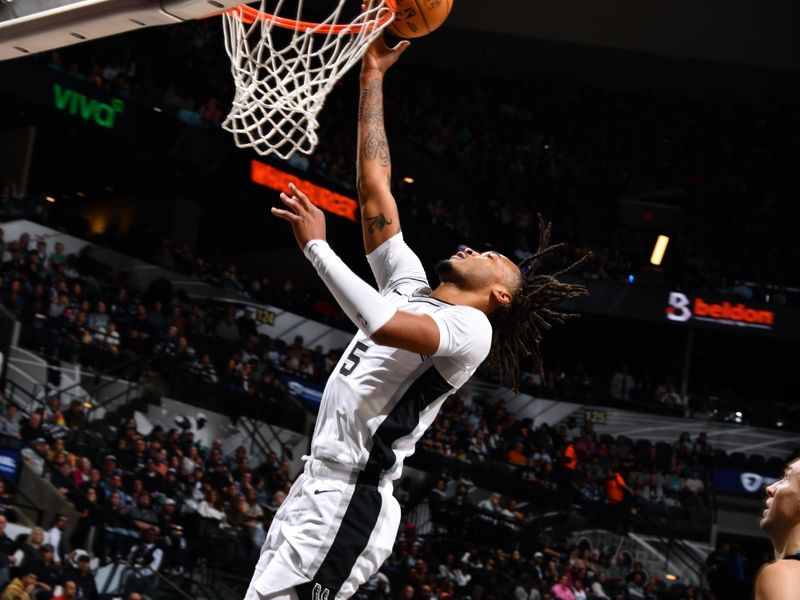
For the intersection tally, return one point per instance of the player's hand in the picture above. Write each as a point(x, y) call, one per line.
point(307, 221)
point(379, 57)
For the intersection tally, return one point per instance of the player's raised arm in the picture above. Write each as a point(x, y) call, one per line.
point(365, 307)
point(379, 217)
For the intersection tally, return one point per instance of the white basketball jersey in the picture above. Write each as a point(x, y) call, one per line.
point(379, 400)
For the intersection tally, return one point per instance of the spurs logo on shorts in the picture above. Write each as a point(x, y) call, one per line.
point(320, 593)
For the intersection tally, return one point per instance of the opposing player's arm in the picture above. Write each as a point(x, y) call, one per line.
point(778, 581)
point(379, 216)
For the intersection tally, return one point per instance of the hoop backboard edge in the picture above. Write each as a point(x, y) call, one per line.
point(48, 24)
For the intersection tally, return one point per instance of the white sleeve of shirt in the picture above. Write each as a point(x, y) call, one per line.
point(55, 540)
point(393, 263)
point(465, 335)
point(158, 556)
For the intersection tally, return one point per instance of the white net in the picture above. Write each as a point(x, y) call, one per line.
point(283, 76)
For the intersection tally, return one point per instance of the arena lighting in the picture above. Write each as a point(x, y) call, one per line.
point(50, 199)
point(658, 250)
point(326, 199)
point(671, 577)
point(408, 179)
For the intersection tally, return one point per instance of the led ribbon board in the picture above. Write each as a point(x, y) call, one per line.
point(326, 199)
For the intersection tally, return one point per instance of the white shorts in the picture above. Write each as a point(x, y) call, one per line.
point(330, 535)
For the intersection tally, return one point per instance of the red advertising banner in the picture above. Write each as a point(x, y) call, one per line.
point(326, 199)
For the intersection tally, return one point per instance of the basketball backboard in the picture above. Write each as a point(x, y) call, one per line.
point(31, 26)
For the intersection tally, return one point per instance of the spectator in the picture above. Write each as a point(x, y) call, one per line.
point(9, 423)
point(516, 455)
point(69, 591)
point(615, 496)
point(227, 329)
point(635, 587)
point(491, 506)
point(48, 573)
point(20, 588)
point(62, 479)
point(622, 384)
point(211, 507)
point(563, 589)
point(35, 456)
point(145, 559)
point(99, 319)
point(84, 579)
point(30, 549)
point(526, 590)
point(653, 493)
point(597, 591)
point(57, 257)
point(6, 552)
point(142, 515)
point(32, 428)
point(57, 538)
point(694, 485)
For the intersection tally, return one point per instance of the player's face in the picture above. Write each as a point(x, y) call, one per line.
point(476, 270)
point(782, 510)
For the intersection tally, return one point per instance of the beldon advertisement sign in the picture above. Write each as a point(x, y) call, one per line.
point(683, 308)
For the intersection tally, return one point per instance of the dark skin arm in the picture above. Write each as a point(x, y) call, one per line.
point(379, 216)
point(408, 331)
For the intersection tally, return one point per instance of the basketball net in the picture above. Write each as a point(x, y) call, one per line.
point(281, 86)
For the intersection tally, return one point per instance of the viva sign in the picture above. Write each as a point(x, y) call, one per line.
point(88, 109)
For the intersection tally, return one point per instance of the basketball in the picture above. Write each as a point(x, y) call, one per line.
point(415, 18)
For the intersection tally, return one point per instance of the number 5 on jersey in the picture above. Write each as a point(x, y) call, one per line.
point(352, 360)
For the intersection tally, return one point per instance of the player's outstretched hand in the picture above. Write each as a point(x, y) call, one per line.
point(307, 221)
point(379, 57)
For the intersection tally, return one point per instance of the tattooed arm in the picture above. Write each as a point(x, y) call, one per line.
point(379, 218)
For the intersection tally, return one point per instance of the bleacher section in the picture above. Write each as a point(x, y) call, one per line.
point(487, 441)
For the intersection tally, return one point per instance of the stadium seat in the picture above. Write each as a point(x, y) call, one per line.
point(642, 450)
point(737, 460)
point(720, 458)
point(774, 466)
point(664, 452)
point(756, 463)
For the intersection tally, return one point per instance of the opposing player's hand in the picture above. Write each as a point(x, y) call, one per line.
point(379, 57)
point(307, 221)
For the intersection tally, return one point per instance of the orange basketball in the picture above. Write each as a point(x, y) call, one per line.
point(415, 18)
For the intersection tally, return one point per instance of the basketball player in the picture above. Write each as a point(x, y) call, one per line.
point(414, 348)
point(780, 579)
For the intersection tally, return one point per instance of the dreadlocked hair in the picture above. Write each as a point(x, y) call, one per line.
point(518, 327)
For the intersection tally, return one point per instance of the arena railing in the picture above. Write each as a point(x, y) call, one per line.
point(507, 479)
point(182, 384)
point(124, 572)
point(471, 524)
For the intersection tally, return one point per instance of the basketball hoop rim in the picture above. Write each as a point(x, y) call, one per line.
point(250, 15)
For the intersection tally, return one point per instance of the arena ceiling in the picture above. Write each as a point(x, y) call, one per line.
point(748, 32)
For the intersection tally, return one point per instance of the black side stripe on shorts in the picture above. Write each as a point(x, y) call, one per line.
point(365, 505)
